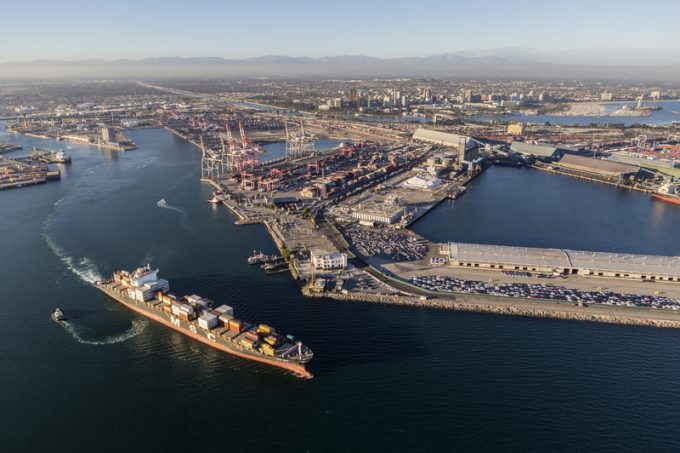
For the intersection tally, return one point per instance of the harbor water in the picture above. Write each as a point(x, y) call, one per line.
point(387, 378)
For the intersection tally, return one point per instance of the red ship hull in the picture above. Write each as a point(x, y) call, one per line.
point(666, 198)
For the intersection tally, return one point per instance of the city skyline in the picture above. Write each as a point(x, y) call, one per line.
point(125, 30)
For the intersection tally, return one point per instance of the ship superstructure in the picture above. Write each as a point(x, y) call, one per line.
point(668, 191)
point(144, 292)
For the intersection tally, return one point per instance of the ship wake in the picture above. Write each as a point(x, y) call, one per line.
point(138, 325)
point(164, 204)
point(84, 268)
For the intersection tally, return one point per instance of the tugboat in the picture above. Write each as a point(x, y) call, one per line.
point(58, 315)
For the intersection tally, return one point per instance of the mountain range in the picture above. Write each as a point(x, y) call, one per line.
point(643, 64)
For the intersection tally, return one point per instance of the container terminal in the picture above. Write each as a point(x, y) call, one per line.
point(196, 317)
point(347, 238)
point(8, 147)
point(22, 172)
point(340, 217)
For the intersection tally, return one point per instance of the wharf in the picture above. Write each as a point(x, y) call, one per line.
point(553, 170)
point(8, 147)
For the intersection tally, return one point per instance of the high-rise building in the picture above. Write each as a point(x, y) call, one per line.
point(545, 97)
point(404, 101)
point(108, 134)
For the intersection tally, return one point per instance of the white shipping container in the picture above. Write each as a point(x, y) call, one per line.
point(207, 321)
point(175, 309)
point(201, 303)
point(186, 309)
point(225, 309)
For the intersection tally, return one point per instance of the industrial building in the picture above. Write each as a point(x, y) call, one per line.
point(538, 151)
point(598, 168)
point(323, 260)
point(423, 181)
point(384, 214)
point(108, 135)
point(467, 148)
point(567, 262)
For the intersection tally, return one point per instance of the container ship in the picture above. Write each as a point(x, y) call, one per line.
point(668, 192)
point(50, 157)
point(196, 317)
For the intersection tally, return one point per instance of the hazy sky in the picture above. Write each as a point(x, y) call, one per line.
point(37, 29)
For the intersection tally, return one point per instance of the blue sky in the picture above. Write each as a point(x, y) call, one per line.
point(36, 29)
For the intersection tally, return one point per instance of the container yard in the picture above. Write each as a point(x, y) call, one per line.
point(21, 172)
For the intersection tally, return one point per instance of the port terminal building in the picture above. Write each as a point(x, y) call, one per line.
point(563, 261)
point(540, 151)
point(467, 148)
point(605, 170)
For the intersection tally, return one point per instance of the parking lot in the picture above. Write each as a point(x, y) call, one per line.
point(539, 291)
point(394, 245)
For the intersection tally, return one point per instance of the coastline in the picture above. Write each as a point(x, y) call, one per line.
point(534, 308)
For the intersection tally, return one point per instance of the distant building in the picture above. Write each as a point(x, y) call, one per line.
point(606, 96)
point(385, 215)
point(468, 149)
point(655, 95)
point(423, 181)
point(546, 97)
point(516, 129)
point(108, 134)
point(539, 151)
point(598, 168)
point(404, 101)
point(323, 260)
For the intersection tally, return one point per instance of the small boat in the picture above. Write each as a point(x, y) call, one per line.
point(258, 258)
point(61, 157)
point(58, 315)
point(214, 199)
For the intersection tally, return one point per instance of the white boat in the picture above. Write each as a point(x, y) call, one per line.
point(214, 199)
point(58, 315)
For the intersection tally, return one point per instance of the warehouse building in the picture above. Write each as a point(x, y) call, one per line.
point(598, 168)
point(540, 151)
point(467, 148)
point(379, 215)
point(563, 261)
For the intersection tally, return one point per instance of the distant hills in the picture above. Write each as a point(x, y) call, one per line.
point(642, 64)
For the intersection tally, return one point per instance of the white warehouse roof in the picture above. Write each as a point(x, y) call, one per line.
point(443, 138)
point(563, 258)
